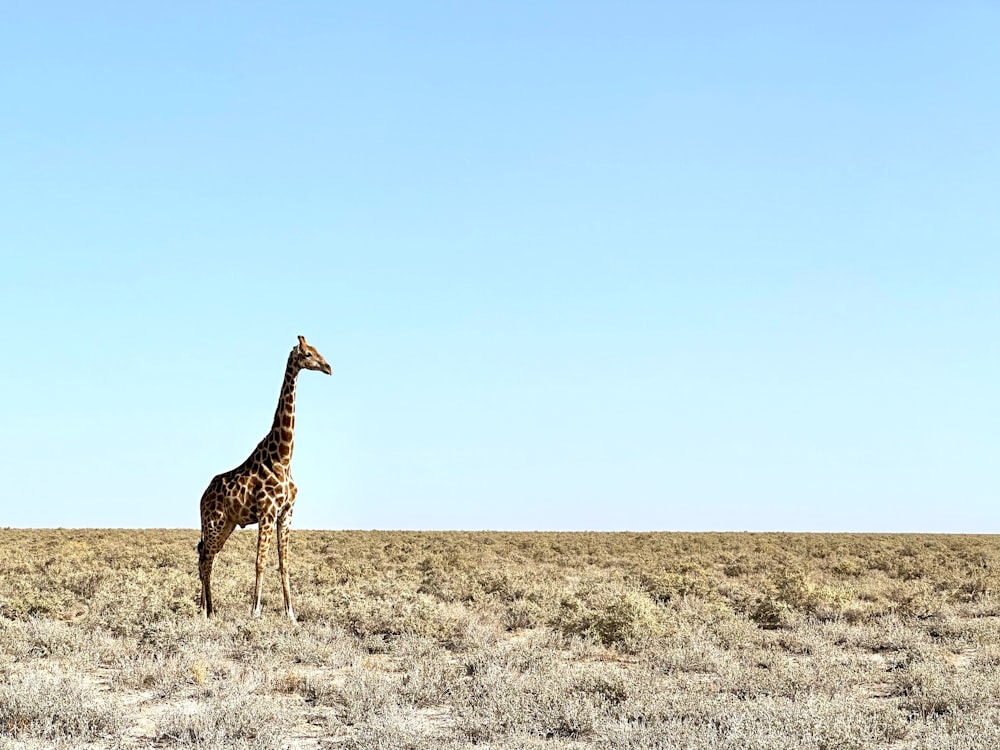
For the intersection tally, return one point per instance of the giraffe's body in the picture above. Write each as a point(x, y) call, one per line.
point(260, 490)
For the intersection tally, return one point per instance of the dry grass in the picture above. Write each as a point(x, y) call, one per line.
point(427, 640)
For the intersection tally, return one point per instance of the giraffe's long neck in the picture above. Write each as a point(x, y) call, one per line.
point(280, 439)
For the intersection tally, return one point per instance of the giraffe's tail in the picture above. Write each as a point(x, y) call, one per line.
point(201, 549)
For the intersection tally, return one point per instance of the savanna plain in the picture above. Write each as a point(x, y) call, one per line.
point(503, 640)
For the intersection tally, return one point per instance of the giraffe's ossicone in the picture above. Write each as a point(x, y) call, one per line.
point(260, 490)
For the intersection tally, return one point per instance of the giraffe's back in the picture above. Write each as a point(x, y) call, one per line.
point(253, 490)
point(229, 497)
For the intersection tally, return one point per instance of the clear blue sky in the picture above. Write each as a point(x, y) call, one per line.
point(692, 266)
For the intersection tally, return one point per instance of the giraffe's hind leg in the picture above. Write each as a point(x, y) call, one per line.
point(212, 539)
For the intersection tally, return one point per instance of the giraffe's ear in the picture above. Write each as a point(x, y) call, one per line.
point(302, 343)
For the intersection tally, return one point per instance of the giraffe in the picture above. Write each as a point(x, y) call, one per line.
point(258, 491)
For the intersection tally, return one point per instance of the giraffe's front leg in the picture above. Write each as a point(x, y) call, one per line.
point(283, 529)
point(264, 534)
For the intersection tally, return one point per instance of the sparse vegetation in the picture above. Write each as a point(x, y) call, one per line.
point(421, 640)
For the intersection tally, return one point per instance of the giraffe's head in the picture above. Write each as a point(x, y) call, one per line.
point(307, 358)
